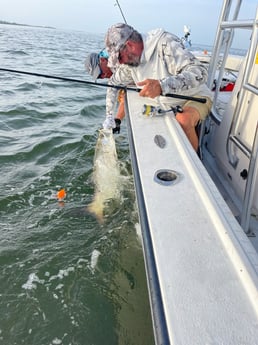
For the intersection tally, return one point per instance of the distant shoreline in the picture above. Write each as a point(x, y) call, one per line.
point(34, 26)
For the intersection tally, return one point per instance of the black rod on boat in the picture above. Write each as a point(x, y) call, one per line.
point(119, 87)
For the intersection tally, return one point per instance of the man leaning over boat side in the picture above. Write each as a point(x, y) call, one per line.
point(159, 63)
point(96, 65)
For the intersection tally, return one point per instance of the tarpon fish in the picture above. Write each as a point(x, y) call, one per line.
point(106, 174)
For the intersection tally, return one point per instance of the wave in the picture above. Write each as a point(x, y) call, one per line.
point(16, 52)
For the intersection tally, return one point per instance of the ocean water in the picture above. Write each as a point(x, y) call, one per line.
point(64, 278)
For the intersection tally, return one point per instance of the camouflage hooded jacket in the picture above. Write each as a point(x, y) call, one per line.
point(164, 58)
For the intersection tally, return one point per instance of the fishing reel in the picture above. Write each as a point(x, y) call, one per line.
point(150, 110)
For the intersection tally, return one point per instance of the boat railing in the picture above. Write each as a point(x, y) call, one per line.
point(250, 186)
point(247, 89)
point(219, 61)
point(247, 86)
point(235, 141)
point(222, 45)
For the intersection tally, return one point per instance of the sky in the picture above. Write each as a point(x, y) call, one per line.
point(96, 16)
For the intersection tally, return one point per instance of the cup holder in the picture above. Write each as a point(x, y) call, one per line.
point(167, 177)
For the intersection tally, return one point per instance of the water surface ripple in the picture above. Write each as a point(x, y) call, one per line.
point(64, 278)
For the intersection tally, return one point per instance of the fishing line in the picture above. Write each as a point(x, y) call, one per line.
point(118, 87)
point(61, 194)
point(121, 11)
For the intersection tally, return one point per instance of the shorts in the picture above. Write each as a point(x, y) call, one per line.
point(203, 108)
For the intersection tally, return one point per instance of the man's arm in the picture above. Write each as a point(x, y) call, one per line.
point(186, 70)
point(122, 76)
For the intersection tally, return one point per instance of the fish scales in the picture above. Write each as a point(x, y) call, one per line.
point(106, 174)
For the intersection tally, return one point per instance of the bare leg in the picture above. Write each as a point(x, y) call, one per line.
point(188, 119)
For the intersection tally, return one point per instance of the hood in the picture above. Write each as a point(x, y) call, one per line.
point(150, 41)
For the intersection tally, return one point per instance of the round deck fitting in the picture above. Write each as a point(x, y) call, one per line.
point(167, 177)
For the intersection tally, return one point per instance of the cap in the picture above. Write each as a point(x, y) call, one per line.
point(103, 54)
point(92, 65)
point(116, 37)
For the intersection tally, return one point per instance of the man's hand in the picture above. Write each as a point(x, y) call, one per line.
point(109, 122)
point(151, 88)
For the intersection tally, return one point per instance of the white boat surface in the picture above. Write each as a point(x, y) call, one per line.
point(199, 214)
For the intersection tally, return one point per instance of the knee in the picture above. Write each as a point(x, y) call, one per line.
point(189, 118)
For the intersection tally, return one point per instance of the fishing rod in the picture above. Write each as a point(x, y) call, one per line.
point(121, 11)
point(118, 87)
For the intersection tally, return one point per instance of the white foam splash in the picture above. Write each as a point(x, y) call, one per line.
point(31, 199)
point(33, 278)
point(94, 259)
point(138, 232)
point(62, 273)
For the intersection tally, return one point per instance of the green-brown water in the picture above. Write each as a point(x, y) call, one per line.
point(64, 278)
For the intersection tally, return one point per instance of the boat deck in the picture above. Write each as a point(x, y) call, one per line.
point(201, 267)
